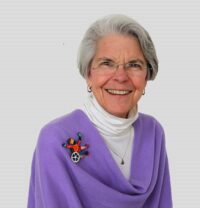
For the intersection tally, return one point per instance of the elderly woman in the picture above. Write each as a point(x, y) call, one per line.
point(106, 154)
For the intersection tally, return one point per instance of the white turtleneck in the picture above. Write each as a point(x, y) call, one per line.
point(118, 133)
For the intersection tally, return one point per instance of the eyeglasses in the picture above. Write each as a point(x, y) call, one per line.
point(109, 67)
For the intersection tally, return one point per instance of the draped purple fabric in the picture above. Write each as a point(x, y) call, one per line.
point(96, 181)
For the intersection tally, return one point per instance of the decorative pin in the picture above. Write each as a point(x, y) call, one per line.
point(77, 151)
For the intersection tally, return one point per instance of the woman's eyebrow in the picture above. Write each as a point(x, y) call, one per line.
point(133, 60)
point(105, 59)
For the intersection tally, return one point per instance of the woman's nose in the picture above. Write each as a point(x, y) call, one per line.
point(121, 73)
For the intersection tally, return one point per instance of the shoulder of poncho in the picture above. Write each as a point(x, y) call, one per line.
point(150, 120)
point(62, 127)
point(64, 121)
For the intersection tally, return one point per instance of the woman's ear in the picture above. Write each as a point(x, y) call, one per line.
point(88, 81)
point(145, 83)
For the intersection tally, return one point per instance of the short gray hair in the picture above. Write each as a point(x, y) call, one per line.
point(121, 24)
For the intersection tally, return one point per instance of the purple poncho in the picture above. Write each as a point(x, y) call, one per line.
point(96, 181)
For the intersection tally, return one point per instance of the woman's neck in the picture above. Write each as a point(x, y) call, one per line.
point(106, 123)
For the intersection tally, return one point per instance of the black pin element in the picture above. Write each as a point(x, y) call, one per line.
point(122, 162)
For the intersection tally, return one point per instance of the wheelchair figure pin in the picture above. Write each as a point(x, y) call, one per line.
point(77, 150)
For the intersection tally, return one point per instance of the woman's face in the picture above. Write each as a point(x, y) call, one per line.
point(117, 92)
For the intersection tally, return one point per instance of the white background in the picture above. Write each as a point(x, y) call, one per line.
point(39, 81)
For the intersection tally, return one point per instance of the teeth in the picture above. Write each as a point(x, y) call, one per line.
point(119, 92)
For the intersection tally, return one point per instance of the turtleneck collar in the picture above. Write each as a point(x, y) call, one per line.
point(106, 123)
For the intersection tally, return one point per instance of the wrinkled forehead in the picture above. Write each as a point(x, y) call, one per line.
point(118, 47)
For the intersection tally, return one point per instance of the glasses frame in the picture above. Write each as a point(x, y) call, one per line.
point(108, 66)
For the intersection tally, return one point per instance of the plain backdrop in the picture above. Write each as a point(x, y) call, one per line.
point(39, 81)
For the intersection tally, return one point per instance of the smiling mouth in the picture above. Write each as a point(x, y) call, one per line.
point(118, 92)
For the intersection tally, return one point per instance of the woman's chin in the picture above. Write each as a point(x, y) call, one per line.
point(117, 112)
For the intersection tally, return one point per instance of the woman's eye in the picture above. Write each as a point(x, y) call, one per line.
point(135, 66)
point(106, 63)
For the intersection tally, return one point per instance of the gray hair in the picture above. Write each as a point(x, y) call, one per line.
point(120, 24)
